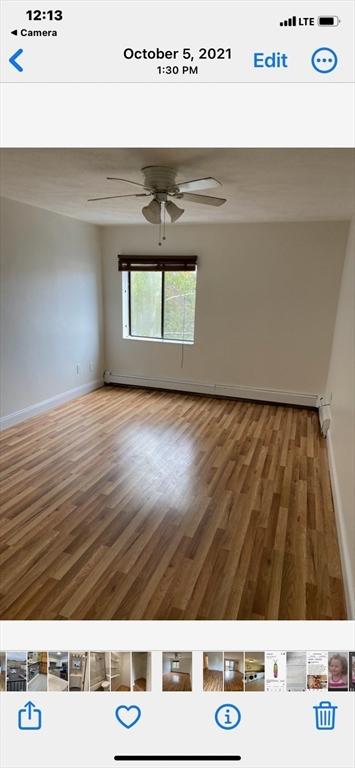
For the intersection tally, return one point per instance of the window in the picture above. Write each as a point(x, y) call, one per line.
point(160, 297)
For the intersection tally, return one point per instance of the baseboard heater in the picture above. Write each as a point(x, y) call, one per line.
point(220, 390)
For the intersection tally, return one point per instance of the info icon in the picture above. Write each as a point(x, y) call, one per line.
point(227, 717)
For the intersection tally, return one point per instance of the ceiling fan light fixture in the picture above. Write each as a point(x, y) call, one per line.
point(152, 212)
point(173, 210)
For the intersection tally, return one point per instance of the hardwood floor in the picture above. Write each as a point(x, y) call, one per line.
point(137, 504)
point(176, 681)
point(212, 680)
point(140, 684)
point(233, 681)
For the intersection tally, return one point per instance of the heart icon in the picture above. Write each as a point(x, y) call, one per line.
point(128, 716)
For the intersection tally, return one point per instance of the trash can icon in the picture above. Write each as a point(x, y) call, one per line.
point(325, 716)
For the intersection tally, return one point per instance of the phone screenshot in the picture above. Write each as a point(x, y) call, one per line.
point(177, 448)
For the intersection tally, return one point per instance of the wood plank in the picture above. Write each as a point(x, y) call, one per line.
point(131, 503)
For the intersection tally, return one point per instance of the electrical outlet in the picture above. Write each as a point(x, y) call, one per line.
point(77, 369)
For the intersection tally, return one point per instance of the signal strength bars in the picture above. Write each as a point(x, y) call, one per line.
point(291, 22)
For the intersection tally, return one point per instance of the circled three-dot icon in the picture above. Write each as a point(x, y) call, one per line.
point(324, 60)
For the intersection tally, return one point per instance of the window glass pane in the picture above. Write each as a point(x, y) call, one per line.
point(179, 305)
point(146, 290)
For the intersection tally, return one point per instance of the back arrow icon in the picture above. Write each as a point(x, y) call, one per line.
point(13, 60)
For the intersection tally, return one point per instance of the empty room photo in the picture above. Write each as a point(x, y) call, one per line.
point(177, 671)
point(213, 671)
point(141, 671)
point(233, 671)
point(177, 389)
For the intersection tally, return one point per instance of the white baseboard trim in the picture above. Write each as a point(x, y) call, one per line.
point(45, 405)
point(342, 537)
point(248, 393)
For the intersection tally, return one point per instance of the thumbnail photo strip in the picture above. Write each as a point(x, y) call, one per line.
point(219, 671)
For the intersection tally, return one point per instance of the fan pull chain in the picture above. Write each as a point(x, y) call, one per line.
point(164, 236)
point(159, 243)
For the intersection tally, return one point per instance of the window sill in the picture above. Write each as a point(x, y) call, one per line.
point(158, 341)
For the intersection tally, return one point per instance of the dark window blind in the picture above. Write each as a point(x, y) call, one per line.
point(157, 263)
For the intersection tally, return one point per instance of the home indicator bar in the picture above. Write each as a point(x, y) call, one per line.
point(172, 758)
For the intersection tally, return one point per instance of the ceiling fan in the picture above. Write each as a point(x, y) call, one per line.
point(160, 184)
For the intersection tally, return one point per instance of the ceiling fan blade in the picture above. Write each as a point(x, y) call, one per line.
point(127, 181)
point(204, 199)
point(192, 186)
point(114, 197)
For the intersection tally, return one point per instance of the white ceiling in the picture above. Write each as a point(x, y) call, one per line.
point(259, 184)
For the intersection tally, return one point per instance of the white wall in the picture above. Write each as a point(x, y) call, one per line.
point(125, 670)
point(341, 438)
point(186, 665)
point(235, 656)
point(139, 665)
point(149, 672)
point(142, 667)
point(215, 660)
point(266, 303)
point(51, 306)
